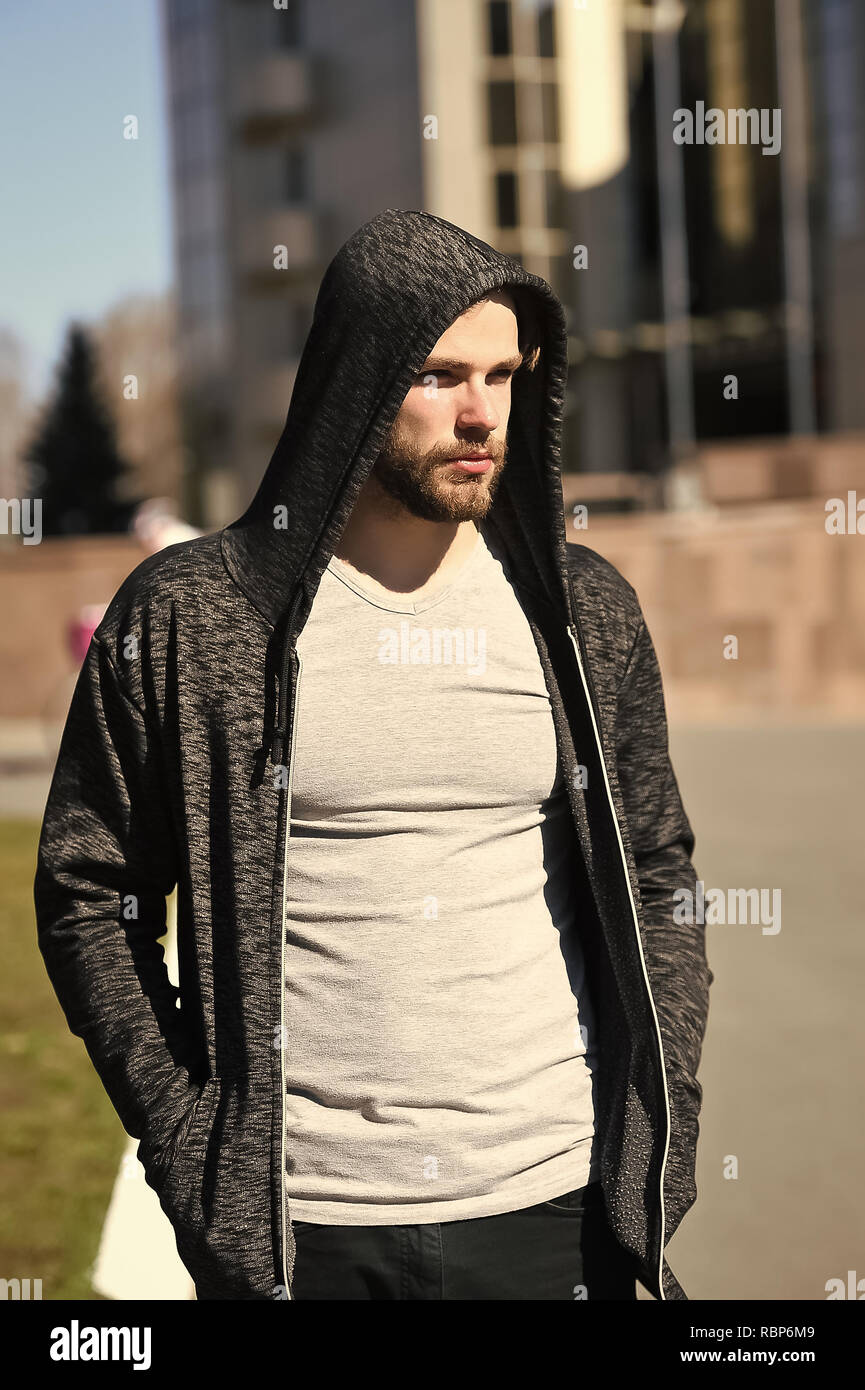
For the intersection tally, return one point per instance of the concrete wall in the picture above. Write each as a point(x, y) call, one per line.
point(42, 590)
point(768, 575)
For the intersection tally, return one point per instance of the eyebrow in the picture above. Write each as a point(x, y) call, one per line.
point(445, 364)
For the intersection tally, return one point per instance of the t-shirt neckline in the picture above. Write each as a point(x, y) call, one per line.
point(393, 605)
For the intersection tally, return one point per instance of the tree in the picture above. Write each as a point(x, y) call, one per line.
point(75, 466)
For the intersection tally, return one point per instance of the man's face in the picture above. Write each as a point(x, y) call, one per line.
point(446, 449)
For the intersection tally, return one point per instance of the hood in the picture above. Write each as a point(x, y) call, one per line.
point(384, 301)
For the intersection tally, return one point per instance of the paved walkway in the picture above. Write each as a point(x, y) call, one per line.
point(782, 1063)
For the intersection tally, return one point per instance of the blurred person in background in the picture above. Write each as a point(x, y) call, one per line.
point(155, 523)
point(402, 750)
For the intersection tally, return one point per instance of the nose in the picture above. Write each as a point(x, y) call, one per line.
point(477, 409)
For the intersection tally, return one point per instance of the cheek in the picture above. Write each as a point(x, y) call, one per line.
point(425, 419)
point(504, 406)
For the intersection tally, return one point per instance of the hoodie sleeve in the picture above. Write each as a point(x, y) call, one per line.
point(106, 861)
point(675, 953)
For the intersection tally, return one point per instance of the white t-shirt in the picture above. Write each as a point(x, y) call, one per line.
point(435, 991)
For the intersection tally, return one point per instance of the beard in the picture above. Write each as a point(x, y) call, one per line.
point(421, 481)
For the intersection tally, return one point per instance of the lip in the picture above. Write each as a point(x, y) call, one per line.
point(472, 463)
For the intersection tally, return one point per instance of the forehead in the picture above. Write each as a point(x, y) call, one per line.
point(493, 319)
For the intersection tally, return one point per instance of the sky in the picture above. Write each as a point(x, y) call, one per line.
point(85, 215)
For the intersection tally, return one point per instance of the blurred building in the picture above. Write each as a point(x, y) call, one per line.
point(546, 129)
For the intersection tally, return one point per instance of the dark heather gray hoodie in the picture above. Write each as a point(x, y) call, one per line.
point(175, 769)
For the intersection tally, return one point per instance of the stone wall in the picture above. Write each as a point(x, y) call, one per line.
point(770, 576)
point(43, 589)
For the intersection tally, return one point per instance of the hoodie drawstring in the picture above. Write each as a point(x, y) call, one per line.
point(279, 731)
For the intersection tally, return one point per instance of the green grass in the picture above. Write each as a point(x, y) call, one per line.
point(61, 1140)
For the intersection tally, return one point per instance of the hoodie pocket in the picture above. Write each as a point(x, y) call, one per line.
point(187, 1133)
point(215, 1189)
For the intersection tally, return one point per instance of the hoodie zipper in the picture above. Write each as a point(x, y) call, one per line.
point(573, 636)
point(293, 744)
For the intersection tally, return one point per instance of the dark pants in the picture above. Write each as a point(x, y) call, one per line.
point(561, 1249)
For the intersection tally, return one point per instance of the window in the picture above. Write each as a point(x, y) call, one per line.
point(295, 175)
point(196, 138)
point(546, 32)
point(499, 27)
point(198, 201)
point(502, 101)
point(550, 112)
point(192, 57)
point(507, 210)
point(289, 24)
point(201, 277)
point(554, 202)
point(184, 12)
